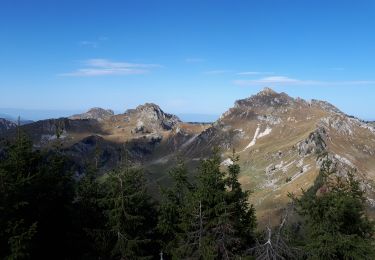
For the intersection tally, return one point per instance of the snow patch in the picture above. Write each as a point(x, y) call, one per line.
point(227, 162)
point(257, 135)
point(266, 132)
point(252, 143)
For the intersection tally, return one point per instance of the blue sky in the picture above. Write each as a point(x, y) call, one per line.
point(191, 57)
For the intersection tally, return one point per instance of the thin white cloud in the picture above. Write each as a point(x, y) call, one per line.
point(89, 44)
point(102, 72)
point(216, 72)
point(104, 63)
point(286, 81)
point(252, 73)
point(277, 80)
point(194, 60)
point(102, 67)
point(353, 82)
point(93, 44)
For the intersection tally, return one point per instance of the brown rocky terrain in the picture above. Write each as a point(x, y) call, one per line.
point(281, 141)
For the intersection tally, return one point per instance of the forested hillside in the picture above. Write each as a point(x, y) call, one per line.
point(47, 212)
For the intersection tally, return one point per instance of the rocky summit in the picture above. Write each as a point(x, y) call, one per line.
point(95, 113)
point(151, 118)
point(282, 142)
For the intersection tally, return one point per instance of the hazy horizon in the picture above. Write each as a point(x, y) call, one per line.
point(189, 57)
point(35, 114)
point(40, 114)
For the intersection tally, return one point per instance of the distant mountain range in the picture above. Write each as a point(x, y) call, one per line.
point(15, 119)
point(41, 114)
point(34, 114)
point(281, 141)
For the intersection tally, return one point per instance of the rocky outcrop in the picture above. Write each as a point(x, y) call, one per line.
point(325, 106)
point(314, 144)
point(151, 118)
point(266, 98)
point(96, 113)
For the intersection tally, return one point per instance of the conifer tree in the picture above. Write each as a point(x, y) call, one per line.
point(172, 203)
point(131, 216)
point(52, 202)
point(336, 224)
point(36, 202)
point(17, 171)
point(217, 220)
point(242, 213)
point(201, 213)
point(37, 193)
point(90, 218)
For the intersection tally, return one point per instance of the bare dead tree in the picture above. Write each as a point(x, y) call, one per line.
point(224, 234)
point(276, 245)
point(197, 223)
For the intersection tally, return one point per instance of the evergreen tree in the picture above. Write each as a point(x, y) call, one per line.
point(36, 203)
point(172, 203)
point(17, 171)
point(131, 215)
point(201, 218)
point(53, 207)
point(242, 213)
point(89, 216)
point(214, 214)
point(334, 211)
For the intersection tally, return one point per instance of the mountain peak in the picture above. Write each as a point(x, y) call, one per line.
point(152, 110)
point(95, 113)
point(100, 110)
point(149, 106)
point(151, 115)
point(265, 98)
point(267, 91)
